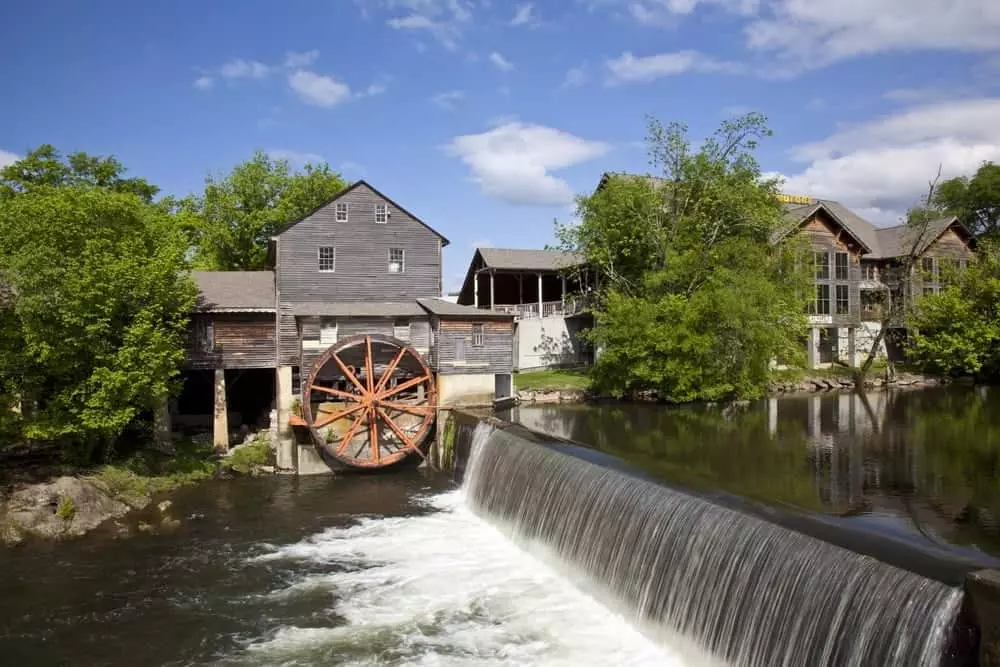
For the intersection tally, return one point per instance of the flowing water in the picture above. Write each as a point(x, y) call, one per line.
point(542, 557)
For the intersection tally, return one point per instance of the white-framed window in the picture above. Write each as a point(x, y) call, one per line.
point(401, 328)
point(328, 331)
point(341, 211)
point(381, 214)
point(327, 258)
point(478, 336)
point(397, 260)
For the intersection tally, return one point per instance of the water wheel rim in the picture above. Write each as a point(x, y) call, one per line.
point(369, 405)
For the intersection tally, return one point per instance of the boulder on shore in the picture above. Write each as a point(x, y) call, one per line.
point(64, 507)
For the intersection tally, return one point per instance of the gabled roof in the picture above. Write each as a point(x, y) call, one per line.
point(447, 309)
point(899, 240)
point(234, 291)
point(351, 187)
point(513, 259)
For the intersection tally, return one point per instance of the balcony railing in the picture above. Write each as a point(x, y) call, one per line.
point(527, 311)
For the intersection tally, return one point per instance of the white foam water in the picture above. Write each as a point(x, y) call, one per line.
point(445, 588)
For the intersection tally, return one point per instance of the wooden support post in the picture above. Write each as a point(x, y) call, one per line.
point(520, 288)
point(493, 301)
point(475, 289)
point(812, 347)
point(220, 432)
point(563, 297)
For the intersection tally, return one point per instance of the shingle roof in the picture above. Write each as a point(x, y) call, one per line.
point(528, 260)
point(898, 241)
point(360, 309)
point(235, 291)
point(443, 308)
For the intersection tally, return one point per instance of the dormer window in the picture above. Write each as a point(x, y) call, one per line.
point(381, 214)
point(341, 211)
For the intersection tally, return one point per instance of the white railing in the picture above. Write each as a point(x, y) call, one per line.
point(527, 311)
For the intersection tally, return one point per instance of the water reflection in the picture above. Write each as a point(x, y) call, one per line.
point(923, 462)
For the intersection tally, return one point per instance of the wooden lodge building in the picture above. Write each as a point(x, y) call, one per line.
point(359, 266)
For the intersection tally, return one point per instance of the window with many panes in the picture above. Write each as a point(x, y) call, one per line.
point(843, 300)
point(822, 261)
point(868, 272)
point(840, 266)
point(477, 335)
point(381, 214)
point(821, 306)
point(327, 258)
point(397, 260)
point(341, 211)
point(927, 264)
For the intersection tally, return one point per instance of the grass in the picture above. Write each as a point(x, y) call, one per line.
point(246, 459)
point(66, 509)
point(144, 474)
point(553, 379)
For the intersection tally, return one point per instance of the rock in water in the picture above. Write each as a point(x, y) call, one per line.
point(64, 507)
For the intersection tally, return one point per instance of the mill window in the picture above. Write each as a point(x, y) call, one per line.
point(477, 335)
point(327, 258)
point(397, 260)
point(341, 211)
point(381, 214)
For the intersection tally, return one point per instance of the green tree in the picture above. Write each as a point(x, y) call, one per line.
point(957, 331)
point(975, 200)
point(45, 166)
point(232, 221)
point(698, 299)
point(93, 323)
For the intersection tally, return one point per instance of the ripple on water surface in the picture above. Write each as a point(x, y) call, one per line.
point(443, 588)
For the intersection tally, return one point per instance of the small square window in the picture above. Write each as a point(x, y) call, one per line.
point(381, 214)
point(341, 212)
point(397, 260)
point(477, 335)
point(327, 258)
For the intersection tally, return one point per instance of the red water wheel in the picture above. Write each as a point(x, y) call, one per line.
point(369, 401)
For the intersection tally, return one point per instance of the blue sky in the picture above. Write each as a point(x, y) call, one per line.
point(484, 117)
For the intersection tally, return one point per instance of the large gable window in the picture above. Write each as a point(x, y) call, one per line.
point(397, 260)
point(822, 263)
point(841, 266)
point(381, 214)
point(327, 259)
point(341, 211)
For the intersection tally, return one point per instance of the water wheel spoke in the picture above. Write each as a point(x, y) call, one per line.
point(334, 416)
point(373, 437)
point(389, 370)
point(405, 439)
point(349, 374)
point(404, 386)
point(351, 432)
point(369, 370)
point(405, 407)
point(336, 392)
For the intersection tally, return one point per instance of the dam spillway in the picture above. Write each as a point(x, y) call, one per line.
point(748, 591)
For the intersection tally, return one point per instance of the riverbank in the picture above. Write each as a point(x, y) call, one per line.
point(51, 501)
point(573, 385)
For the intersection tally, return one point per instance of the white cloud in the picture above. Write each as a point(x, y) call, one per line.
point(295, 60)
point(819, 32)
point(317, 89)
point(204, 82)
point(882, 167)
point(524, 15)
point(513, 162)
point(295, 158)
point(576, 76)
point(6, 158)
point(244, 69)
point(629, 69)
point(667, 12)
point(500, 62)
point(444, 20)
point(373, 89)
point(481, 243)
point(448, 100)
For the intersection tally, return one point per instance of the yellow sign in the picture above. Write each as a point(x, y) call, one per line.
point(795, 199)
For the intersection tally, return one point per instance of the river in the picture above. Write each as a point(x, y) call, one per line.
point(395, 569)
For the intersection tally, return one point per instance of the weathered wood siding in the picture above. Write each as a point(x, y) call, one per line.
point(825, 235)
point(311, 347)
point(496, 355)
point(242, 340)
point(949, 246)
point(362, 255)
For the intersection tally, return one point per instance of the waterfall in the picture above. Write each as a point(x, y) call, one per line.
point(751, 592)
